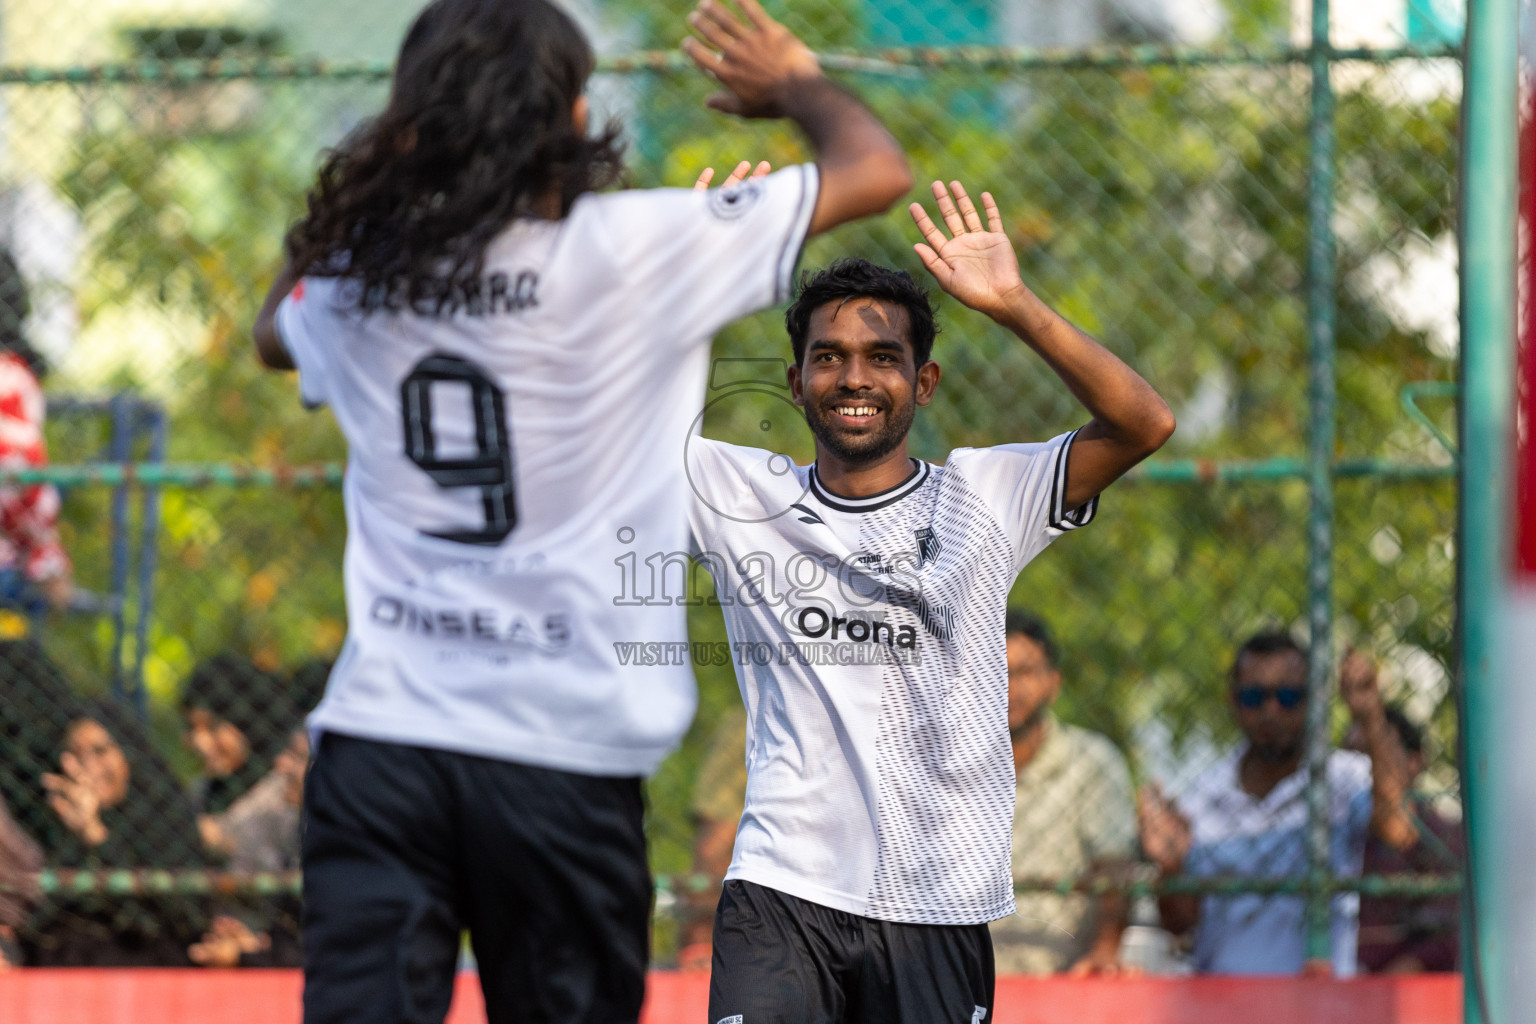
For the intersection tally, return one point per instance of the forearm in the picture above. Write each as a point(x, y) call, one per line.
point(1127, 411)
point(269, 347)
point(1112, 914)
point(1391, 819)
point(1180, 912)
point(863, 169)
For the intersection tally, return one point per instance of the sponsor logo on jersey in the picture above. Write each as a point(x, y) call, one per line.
point(487, 626)
point(810, 515)
point(816, 622)
point(734, 1018)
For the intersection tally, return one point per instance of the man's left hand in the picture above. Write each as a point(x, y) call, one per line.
point(976, 264)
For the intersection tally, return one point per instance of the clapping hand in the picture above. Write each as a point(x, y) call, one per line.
point(975, 263)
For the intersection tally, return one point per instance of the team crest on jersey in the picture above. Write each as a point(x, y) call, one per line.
point(927, 545)
point(978, 1015)
point(734, 200)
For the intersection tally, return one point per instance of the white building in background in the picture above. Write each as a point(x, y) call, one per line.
point(1073, 24)
point(1384, 24)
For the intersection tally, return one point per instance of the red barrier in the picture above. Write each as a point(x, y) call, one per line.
point(272, 997)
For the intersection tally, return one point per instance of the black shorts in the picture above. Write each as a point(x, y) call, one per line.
point(405, 848)
point(783, 960)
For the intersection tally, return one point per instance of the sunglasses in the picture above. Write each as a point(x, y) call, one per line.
point(1287, 697)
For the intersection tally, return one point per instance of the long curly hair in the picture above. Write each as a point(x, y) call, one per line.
point(478, 131)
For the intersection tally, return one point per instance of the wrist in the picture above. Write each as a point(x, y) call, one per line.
point(1372, 717)
point(1019, 310)
point(94, 833)
point(801, 93)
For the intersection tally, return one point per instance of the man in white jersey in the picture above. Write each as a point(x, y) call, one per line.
point(867, 592)
point(509, 354)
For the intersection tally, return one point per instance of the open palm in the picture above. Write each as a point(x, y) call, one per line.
point(974, 263)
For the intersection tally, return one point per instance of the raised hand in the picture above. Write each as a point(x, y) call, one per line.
point(755, 61)
point(1357, 685)
point(74, 798)
point(737, 175)
point(975, 264)
point(1165, 833)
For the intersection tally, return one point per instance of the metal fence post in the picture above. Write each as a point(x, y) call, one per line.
point(1321, 309)
point(1483, 558)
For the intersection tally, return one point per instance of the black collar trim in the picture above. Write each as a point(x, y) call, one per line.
point(869, 504)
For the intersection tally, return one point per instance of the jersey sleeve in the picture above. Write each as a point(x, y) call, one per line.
point(1025, 486)
point(300, 328)
point(699, 260)
point(716, 485)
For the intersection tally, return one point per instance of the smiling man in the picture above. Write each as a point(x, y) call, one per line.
point(869, 590)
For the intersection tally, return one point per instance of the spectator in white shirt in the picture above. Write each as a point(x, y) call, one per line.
point(1246, 817)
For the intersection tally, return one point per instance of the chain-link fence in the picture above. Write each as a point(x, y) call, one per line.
point(1163, 169)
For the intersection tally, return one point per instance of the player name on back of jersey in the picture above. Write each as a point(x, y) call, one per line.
point(495, 294)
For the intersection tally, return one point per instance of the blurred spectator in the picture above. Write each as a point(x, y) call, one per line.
point(236, 718)
point(260, 832)
point(1401, 934)
point(116, 804)
point(20, 861)
point(1074, 816)
point(717, 801)
point(31, 558)
point(34, 700)
point(1246, 817)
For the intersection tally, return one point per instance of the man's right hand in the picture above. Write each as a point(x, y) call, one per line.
point(1165, 833)
point(1357, 686)
point(754, 61)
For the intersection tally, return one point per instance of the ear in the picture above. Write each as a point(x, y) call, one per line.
point(579, 113)
point(927, 381)
point(1054, 690)
point(792, 374)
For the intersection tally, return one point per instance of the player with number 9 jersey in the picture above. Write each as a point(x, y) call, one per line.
point(507, 443)
point(515, 359)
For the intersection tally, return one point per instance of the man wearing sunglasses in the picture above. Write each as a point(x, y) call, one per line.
point(1246, 816)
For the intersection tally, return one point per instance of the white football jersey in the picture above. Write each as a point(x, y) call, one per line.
point(506, 444)
point(868, 641)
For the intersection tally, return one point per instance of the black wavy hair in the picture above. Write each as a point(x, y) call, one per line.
point(854, 278)
point(478, 131)
point(15, 307)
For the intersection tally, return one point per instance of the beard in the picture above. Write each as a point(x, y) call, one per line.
point(864, 447)
point(1276, 751)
